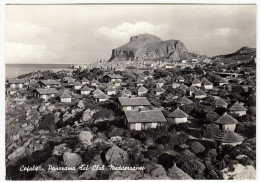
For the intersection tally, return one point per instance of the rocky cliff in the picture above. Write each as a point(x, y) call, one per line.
point(149, 47)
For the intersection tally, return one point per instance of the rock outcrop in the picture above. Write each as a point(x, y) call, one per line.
point(149, 47)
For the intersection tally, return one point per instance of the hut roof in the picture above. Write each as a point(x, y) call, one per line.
point(110, 89)
point(204, 79)
point(47, 91)
point(125, 91)
point(65, 95)
point(223, 80)
point(219, 102)
point(228, 137)
point(184, 100)
point(196, 81)
point(180, 78)
point(226, 119)
point(16, 81)
point(117, 81)
point(207, 83)
point(200, 92)
point(192, 89)
point(84, 80)
point(86, 88)
point(237, 107)
point(94, 81)
point(147, 116)
point(161, 81)
point(97, 91)
point(101, 96)
point(183, 87)
point(159, 89)
point(134, 101)
point(176, 173)
point(139, 81)
point(49, 82)
point(178, 113)
point(142, 89)
point(77, 84)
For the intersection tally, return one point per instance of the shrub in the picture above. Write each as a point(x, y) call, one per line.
point(197, 147)
point(209, 130)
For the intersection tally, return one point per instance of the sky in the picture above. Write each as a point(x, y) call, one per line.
point(79, 34)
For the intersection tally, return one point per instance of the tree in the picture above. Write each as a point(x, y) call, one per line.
point(209, 130)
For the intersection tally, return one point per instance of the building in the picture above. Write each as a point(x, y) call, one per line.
point(101, 97)
point(175, 85)
point(238, 109)
point(207, 85)
point(179, 116)
point(112, 77)
point(199, 94)
point(85, 90)
point(77, 86)
point(11, 91)
point(196, 83)
point(141, 120)
point(183, 88)
point(139, 83)
point(94, 83)
point(223, 82)
point(180, 79)
point(84, 81)
point(65, 97)
point(191, 90)
point(160, 82)
point(110, 91)
point(45, 93)
point(219, 103)
point(228, 138)
point(117, 83)
point(48, 83)
point(226, 122)
point(132, 103)
point(141, 91)
point(16, 83)
point(158, 91)
point(97, 92)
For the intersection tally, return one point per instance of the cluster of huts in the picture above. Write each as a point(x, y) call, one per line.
point(139, 113)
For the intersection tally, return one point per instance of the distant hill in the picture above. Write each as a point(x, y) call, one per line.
point(149, 47)
point(244, 53)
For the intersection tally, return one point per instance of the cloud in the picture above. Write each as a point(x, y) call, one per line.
point(226, 31)
point(125, 30)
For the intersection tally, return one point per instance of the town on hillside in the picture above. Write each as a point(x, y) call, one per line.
point(187, 119)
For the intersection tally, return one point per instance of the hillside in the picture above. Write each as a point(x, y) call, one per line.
point(149, 47)
point(243, 54)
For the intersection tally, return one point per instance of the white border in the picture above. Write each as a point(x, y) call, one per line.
point(2, 52)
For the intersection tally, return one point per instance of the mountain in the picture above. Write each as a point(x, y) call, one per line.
point(244, 53)
point(149, 47)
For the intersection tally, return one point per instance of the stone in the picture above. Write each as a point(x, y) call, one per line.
point(72, 159)
point(17, 153)
point(42, 108)
point(81, 104)
point(24, 125)
point(155, 171)
point(116, 156)
point(116, 138)
point(60, 149)
point(240, 173)
point(241, 156)
point(51, 108)
point(85, 137)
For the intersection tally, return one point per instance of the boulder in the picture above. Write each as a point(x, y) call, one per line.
point(71, 159)
point(116, 138)
point(85, 137)
point(154, 171)
point(240, 173)
point(17, 153)
point(81, 104)
point(116, 156)
point(60, 149)
point(87, 115)
point(42, 108)
point(51, 108)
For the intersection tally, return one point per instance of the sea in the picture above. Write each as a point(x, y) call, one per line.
point(14, 70)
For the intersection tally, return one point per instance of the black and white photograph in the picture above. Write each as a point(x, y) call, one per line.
point(146, 91)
